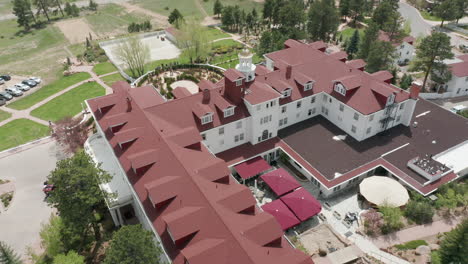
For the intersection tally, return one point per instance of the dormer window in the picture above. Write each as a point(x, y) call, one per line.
point(239, 82)
point(339, 88)
point(229, 111)
point(208, 118)
point(390, 99)
point(308, 86)
point(287, 92)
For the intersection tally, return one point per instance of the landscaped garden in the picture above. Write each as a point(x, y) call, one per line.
point(21, 131)
point(48, 90)
point(68, 104)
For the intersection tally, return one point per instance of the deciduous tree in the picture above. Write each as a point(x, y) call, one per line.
point(431, 53)
point(70, 258)
point(193, 39)
point(132, 245)
point(453, 246)
point(134, 53)
point(70, 133)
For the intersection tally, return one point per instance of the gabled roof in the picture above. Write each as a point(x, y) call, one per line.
point(233, 74)
point(460, 69)
point(383, 76)
point(385, 36)
point(258, 92)
point(210, 250)
point(200, 110)
point(177, 221)
point(143, 158)
point(181, 92)
point(350, 82)
point(357, 64)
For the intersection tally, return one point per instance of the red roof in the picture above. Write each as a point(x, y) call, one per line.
point(460, 69)
point(180, 92)
point(252, 167)
point(186, 193)
point(302, 203)
point(280, 181)
point(357, 64)
point(384, 36)
point(281, 212)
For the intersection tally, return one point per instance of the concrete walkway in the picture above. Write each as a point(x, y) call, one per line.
point(417, 232)
point(26, 113)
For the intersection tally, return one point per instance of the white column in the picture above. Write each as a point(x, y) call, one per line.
point(114, 216)
point(119, 214)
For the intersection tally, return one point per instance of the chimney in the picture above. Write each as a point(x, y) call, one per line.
point(206, 96)
point(129, 104)
point(234, 92)
point(288, 72)
point(414, 90)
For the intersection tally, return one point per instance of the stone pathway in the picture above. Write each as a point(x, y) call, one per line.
point(26, 113)
point(416, 232)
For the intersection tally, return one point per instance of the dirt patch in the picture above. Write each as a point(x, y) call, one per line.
point(321, 237)
point(155, 17)
point(75, 30)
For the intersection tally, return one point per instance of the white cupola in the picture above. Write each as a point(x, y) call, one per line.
point(245, 65)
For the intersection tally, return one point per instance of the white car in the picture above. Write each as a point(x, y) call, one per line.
point(2, 81)
point(22, 87)
point(36, 79)
point(458, 108)
point(13, 91)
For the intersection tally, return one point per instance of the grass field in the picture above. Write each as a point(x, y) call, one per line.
point(227, 42)
point(4, 115)
point(69, 103)
point(48, 90)
point(426, 15)
point(5, 6)
point(35, 53)
point(104, 67)
point(247, 5)
point(188, 8)
point(214, 34)
point(112, 19)
point(111, 79)
point(348, 33)
point(21, 131)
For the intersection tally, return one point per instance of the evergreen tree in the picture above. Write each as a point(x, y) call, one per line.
point(323, 20)
point(92, 5)
point(406, 81)
point(453, 246)
point(431, 53)
point(175, 18)
point(227, 19)
point(22, 10)
point(447, 10)
point(42, 5)
point(461, 9)
point(356, 8)
point(344, 8)
point(353, 45)
point(217, 8)
point(7, 255)
point(132, 244)
point(381, 56)
point(383, 12)
point(371, 34)
point(393, 27)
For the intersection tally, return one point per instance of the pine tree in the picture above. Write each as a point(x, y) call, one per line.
point(217, 8)
point(453, 246)
point(175, 18)
point(447, 10)
point(381, 56)
point(7, 255)
point(344, 8)
point(353, 45)
point(22, 10)
point(323, 20)
point(371, 34)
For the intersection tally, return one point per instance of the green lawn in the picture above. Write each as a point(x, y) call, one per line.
point(48, 90)
point(5, 6)
point(4, 115)
point(77, 49)
point(188, 8)
point(21, 131)
point(411, 244)
point(227, 43)
point(34, 53)
point(111, 79)
point(104, 67)
point(111, 18)
point(214, 33)
point(68, 104)
point(247, 5)
point(348, 32)
point(426, 15)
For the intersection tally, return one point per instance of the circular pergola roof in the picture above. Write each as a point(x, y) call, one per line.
point(381, 190)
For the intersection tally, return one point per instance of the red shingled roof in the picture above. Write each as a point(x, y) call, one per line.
point(384, 36)
point(460, 69)
point(196, 203)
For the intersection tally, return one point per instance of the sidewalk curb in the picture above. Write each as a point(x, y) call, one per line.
point(26, 146)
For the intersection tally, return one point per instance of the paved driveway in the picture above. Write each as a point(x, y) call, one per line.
point(20, 225)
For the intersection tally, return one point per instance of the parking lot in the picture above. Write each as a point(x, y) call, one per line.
point(15, 80)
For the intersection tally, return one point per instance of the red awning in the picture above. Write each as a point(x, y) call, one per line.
point(280, 181)
point(252, 167)
point(281, 212)
point(302, 203)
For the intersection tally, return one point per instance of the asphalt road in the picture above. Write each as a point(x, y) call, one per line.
point(419, 27)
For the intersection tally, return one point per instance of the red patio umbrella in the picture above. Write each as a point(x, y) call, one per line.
point(302, 204)
point(280, 181)
point(252, 167)
point(281, 212)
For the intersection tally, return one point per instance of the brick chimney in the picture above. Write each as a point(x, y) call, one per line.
point(288, 72)
point(414, 90)
point(206, 96)
point(233, 92)
point(129, 104)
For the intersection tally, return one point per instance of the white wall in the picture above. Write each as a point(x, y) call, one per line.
point(217, 142)
point(457, 86)
point(404, 52)
point(269, 113)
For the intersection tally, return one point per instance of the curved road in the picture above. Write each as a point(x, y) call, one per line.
point(419, 27)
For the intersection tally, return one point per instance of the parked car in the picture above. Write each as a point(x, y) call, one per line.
point(35, 79)
point(5, 77)
point(2, 81)
point(14, 91)
point(458, 108)
point(22, 87)
point(6, 96)
point(2, 102)
point(29, 83)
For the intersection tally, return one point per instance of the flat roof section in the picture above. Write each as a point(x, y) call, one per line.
point(318, 141)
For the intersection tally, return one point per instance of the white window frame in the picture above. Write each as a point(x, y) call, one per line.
point(283, 109)
point(238, 82)
point(241, 136)
point(341, 107)
point(356, 116)
point(229, 111)
point(298, 104)
point(221, 131)
point(239, 124)
point(353, 128)
point(371, 118)
point(207, 118)
point(368, 130)
point(287, 92)
point(312, 100)
point(339, 88)
point(308, 86)
point(402, 105)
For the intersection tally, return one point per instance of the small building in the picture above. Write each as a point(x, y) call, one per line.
point(458, 84)
point(405, 49)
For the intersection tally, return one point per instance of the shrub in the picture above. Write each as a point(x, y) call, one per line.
point(419, 212)
point(6, 198)
point(392, 219)
point(372, 222)
point(411, 244)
